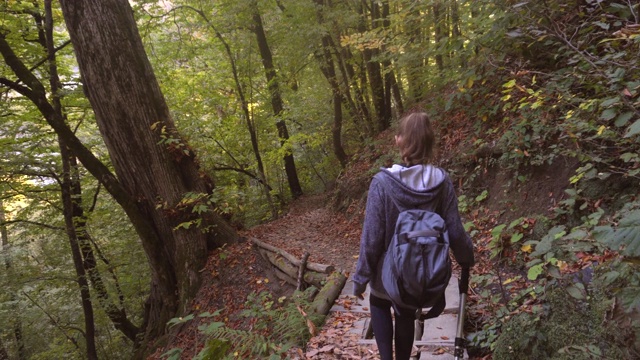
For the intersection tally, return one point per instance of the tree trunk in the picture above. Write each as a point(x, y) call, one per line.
point(17, 326)
point(414, 27)
point(4, 355)
point(82, 237)
point(389, 78)
point(456, 33)
point(360, 110)
point(374, 72)
point(245, 110)
point(327, 68)
point(439, 33)
point(151, 160)
point(85, 296)
point(118, 316)
point(276, 100)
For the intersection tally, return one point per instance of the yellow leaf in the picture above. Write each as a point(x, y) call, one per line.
point(562, 265)
point(509, 281)
point(526, 248)
point(601, 129)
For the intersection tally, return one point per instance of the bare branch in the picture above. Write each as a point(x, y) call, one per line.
point(9, 222)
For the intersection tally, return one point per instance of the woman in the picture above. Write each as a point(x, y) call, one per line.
point(414, 185)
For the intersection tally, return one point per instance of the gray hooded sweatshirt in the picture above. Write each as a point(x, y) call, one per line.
point(400, 188)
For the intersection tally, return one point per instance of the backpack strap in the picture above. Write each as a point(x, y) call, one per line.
point(435, 311)
point(422, 233)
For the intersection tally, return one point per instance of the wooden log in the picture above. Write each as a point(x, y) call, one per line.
point(303, 265)
point(310, 277)
point(321, 268)
point(284, 277)
point(329, 293)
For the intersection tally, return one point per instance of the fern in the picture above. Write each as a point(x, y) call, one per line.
point(247, 343)
point(277, 328)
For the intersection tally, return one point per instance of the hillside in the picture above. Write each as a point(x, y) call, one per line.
point(328, 227)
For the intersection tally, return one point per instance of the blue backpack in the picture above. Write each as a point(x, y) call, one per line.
point(416, 268)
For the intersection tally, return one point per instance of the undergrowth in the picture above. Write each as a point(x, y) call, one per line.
point(559, 84)
point(277, 325)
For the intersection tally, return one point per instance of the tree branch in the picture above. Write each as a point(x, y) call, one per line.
point(54, 321)
point(9, 222)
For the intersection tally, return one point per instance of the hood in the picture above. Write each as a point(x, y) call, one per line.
point(412, 187)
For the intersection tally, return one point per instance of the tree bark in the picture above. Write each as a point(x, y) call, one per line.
point(151, 160)
point(374, 71)
point(81, 278)
point(276, 100)
point(439, 34)
point(327, 68)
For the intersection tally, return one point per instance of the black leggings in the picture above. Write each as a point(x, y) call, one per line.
point(383, 329)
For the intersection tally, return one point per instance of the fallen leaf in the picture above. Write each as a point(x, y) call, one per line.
point(327, 348)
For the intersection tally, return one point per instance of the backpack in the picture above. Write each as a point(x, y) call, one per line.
point(416, 267)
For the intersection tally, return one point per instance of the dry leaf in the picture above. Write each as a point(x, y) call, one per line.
point(327, 348)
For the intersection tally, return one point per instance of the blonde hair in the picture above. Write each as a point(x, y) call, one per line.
point(415, 138)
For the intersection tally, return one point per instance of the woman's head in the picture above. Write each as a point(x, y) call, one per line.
point(415, 138)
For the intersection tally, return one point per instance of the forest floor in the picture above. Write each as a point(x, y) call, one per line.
point(328, 227)
point(235, 272)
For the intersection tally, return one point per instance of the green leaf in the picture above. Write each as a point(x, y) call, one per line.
point(516, 237)
point(609, 277)
point(576, 291)
point(634, 129)
point(627, 234)
point(535, 271)
point(602, 25)
point(624, 118)
point(610, 101)
point(627, 157)
point(173, 354)
point(497, 231)
point(515, 223)
point(509, 84)
point(608, 114)
point(209, 329)
point(180, 320)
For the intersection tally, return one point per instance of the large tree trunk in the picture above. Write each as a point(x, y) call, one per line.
point(150, 159)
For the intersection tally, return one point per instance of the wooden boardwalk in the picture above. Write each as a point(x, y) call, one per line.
point(436, 336)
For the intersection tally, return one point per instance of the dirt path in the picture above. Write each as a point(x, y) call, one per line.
point(330, 237)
